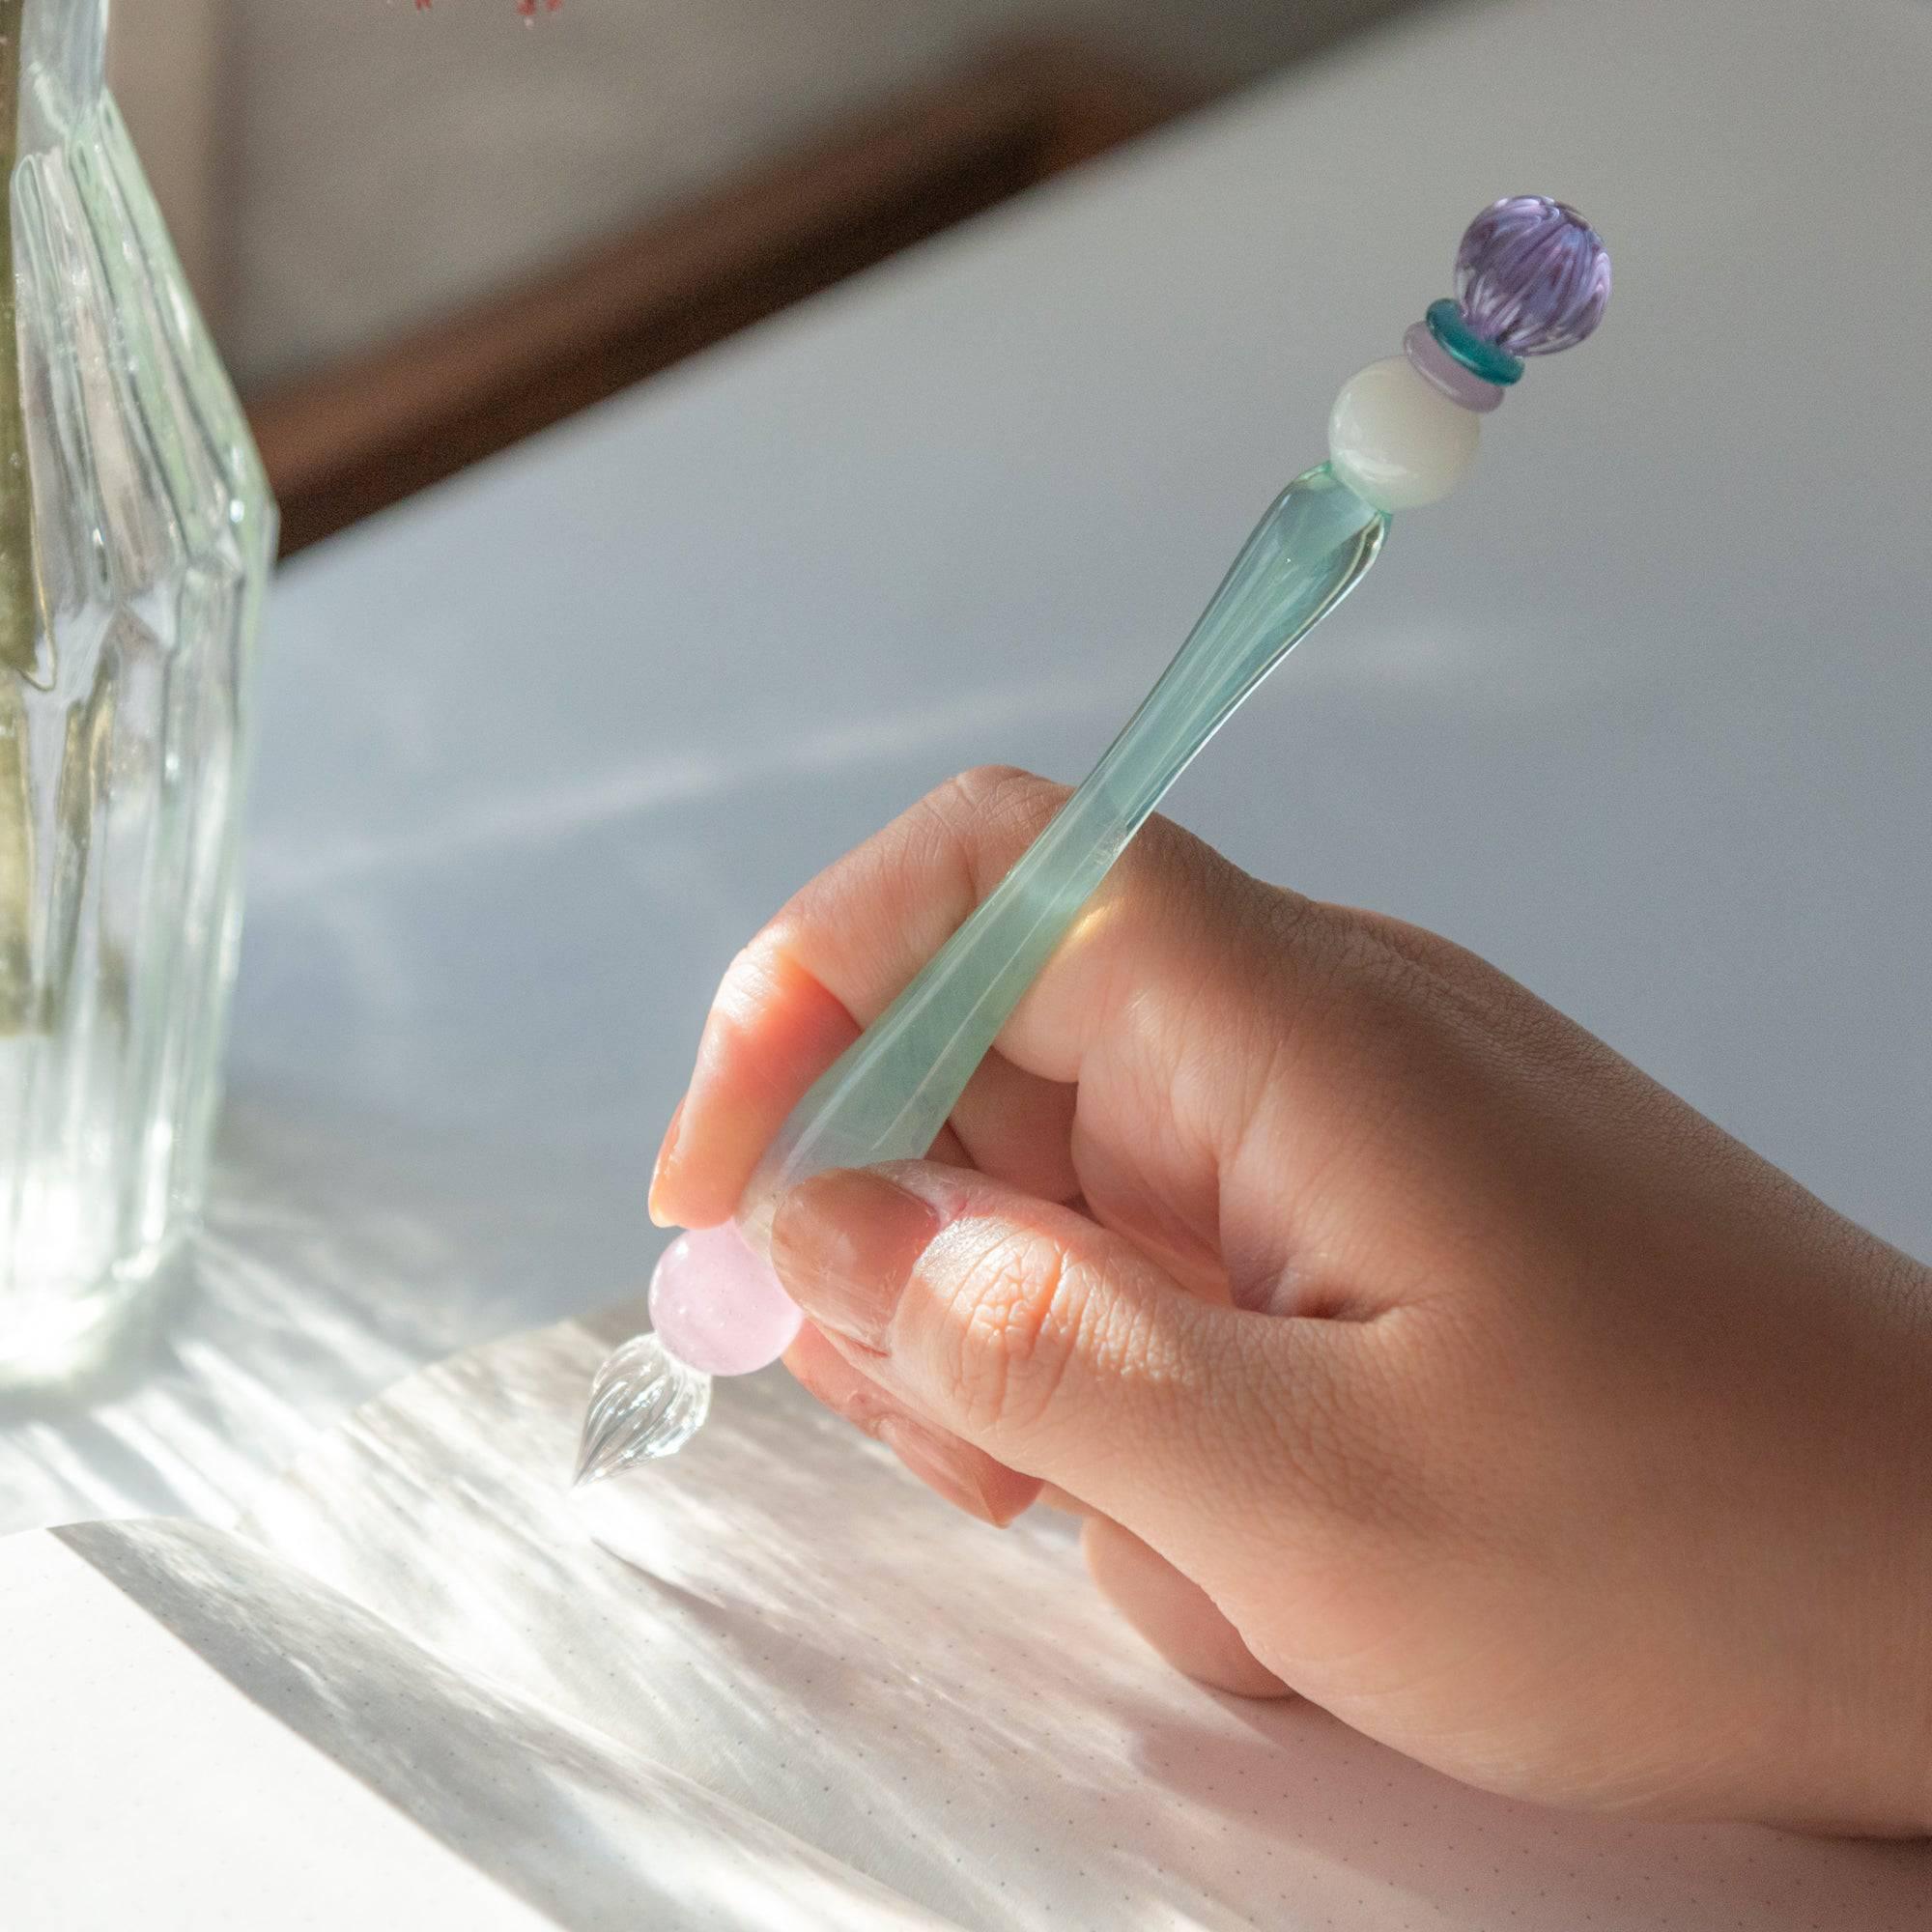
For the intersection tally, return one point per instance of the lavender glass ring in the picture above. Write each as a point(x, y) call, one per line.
point(1439, 367)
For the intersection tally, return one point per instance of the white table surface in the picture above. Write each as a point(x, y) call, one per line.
point(1641, 714)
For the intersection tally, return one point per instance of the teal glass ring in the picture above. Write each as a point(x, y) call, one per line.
point(1482, 360)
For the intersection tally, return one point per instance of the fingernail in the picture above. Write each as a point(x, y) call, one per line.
point(846, 1243)
point(667, 1152)
point(936, 1464)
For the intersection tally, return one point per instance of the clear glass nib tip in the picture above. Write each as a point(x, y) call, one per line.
point(643, 1405)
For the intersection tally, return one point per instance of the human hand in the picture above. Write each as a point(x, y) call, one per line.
point(1401, 1344)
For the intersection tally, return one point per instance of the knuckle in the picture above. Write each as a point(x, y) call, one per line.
point(988, 816)
point(1019, 1316)
point(1002, 789)
point(749, 982)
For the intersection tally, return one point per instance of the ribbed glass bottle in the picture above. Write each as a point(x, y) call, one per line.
point(136, 537)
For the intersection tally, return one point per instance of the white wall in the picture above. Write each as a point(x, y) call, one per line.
point(337, 169)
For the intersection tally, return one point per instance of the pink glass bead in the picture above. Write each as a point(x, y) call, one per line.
point(718, 1306)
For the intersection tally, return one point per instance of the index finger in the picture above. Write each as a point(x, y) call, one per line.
point(1173, 922)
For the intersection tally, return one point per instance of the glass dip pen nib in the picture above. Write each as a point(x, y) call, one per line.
point(1531, 277)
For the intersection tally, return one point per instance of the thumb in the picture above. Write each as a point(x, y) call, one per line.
point(1058, 1347)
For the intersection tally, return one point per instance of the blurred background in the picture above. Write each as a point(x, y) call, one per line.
point(420, 234)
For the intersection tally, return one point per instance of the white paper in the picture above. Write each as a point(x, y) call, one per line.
point(783, 1618)
point(137, 1788)
point(199, 1736)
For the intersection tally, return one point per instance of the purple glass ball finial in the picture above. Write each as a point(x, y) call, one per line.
point(1532, 276)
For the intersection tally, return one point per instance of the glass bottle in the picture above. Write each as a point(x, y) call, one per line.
point(136, 537)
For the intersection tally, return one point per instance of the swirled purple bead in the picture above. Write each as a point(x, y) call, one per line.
point(1532, 275)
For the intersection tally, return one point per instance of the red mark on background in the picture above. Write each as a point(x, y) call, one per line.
point(526, 7)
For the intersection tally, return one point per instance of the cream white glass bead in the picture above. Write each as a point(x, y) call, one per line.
point(1398, 442)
